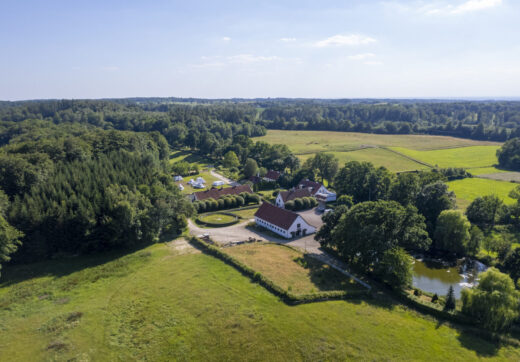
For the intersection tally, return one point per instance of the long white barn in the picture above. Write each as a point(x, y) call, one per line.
point(283, 222)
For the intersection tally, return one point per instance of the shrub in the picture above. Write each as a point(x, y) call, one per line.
point(227, 202)
point(314, 202)
point(306, 203)
point(207, 203)
point(254, 199)
point(289, 205)
point(298, 204)
point(240, 201)
point(214, 205)
point(345, 200)
point(221, 203)
point(417, 292)
point(435, 298)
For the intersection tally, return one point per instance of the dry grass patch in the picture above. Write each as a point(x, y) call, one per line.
point(291, 269)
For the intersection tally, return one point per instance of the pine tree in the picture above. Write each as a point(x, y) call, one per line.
point(450, 300)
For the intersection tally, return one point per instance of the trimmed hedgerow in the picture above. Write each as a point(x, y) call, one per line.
point(226, 202)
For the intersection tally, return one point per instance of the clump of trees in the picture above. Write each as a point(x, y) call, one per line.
point(494, 302)
point(302, 203)
point(509, 155)
point(184, 168)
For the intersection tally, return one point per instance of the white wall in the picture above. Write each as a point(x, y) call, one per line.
point(279, 201)
point(287, 233)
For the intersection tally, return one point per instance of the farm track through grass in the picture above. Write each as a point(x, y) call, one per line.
point(160, 304)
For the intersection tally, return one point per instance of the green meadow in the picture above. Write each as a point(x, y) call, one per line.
point(170, 302)
point(469, 189)
point(466, 157)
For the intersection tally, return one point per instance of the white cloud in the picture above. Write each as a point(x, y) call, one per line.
point(361, 56)
point(236, 60)
point(462, 8)
point(226, 38)
point(344, 40)
point(250, 58)
point(287, 40)
point(373, 62)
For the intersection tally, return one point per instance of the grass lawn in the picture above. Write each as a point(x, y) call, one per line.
point(290, 269)
point(245, 214)
point(168, 303)
point(188, 156)
point(378, 156)
point(301, 142)
point(469, 189)
point(206, 175)
point(217, 218)
point(467, 157)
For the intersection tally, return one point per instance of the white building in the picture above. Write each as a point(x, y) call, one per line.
point(283, 222)
point(284, 196)
point(177, 178)
point(317, 188)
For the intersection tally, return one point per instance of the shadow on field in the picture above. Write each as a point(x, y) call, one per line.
point(482, 346)
point(59, 267)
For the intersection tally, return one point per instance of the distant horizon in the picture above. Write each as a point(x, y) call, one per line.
point(483, 99)
point(356, 49)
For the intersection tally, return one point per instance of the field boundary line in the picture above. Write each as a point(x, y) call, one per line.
point(408, 157)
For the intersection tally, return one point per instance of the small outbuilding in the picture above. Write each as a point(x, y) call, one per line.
point(177, 178)
point(218, 183)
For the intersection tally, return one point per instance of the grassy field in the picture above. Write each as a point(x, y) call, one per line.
point(290, 269)
point(467, 157)
point(168, 302)
point(469, 189)
point(188, 156)
point(245, 214)
point(301, 142)
point(378, 156)
point(217, 218)
point(206, 175)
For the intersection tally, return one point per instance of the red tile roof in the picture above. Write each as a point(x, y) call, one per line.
point(315, 186)
point(295, 194)
point(276, 216)
point(273, 175)
point(216, 193)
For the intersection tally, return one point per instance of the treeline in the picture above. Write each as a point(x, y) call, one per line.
point(75, 189)
point(496, 121)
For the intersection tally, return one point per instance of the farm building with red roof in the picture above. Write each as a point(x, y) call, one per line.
point(283, 222)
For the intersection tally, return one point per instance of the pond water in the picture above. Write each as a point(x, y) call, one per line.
point(436, 276)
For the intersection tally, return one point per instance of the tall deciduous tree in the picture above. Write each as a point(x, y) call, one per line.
point(432, 200)
point(494, 302)
point(452, 232)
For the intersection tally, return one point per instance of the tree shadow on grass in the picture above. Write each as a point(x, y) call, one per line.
point(59, 267)
point(483, 347)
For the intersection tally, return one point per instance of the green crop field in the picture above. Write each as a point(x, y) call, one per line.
point(466, 157)
point(469, 189)
point(169, 302)
point(378, 156)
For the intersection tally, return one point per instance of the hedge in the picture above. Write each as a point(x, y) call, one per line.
point(267, 283)
point(301, 203)
point(226, 202)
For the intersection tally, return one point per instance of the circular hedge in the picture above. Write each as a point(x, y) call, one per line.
point(218, 219)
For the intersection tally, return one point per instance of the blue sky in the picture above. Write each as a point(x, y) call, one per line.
point(222, 49)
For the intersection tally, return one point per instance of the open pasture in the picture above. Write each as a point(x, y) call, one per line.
point(469, 189)
point(466, 157)
point(301, 142)
point(378, 156)
point(168, 302)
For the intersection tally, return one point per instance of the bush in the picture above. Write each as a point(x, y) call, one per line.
point(417, 292)
point(345, 200)
point(435, 298)
point(221, 203)
point(314, 202)
point(214, 205)
point(240, 201)
point(298, 204)
point(227, 202)
point(289, 205)
point(208, 204)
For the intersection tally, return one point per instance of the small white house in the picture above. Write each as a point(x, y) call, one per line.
point(317, 188)
point(283, 222)
point(218, 183)
point(177, 178)
point(200, 180)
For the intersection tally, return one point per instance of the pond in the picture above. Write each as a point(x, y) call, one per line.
point(436, 276)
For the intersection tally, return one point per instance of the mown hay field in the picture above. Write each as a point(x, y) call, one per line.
point(170, 302)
